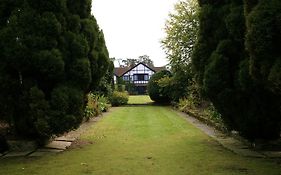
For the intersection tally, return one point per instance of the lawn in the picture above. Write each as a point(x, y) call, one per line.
point(142, 140)
point(139, 99)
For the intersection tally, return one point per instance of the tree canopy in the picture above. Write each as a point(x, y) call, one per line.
point(181, 35)
point(129, 62)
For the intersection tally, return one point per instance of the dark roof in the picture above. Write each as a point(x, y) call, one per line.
point(120, 71)
point(157, 69)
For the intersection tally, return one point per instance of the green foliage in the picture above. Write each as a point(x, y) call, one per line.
point(130, 88)
point(263, 44)
point(193, 100)
point(238, 76)
point(95, 106)
point(145, 59)
point(123, 86)
point(159, 87)
point(52, 54)
point(120, 87)
point(106, 86)
point(214, 114)
point(119, 98)
point(194, 93)
point(39, 109)
point(205, 111)
point(263, 36)
point(185, 104)
point(103, 103)
point(89, 112)
point(181, 82)
point(130, 62)
point(66, 108)
point(181, 34)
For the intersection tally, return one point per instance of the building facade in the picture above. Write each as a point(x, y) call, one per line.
point(137, 76)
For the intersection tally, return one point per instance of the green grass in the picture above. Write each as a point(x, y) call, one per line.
point(139, 99)
point(142, 140)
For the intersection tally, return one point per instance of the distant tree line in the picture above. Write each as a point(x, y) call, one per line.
point(234, 58)
point(52, 54)
point(129, 62)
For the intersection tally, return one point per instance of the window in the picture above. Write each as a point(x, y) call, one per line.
point(135, 77)
point(141, 77)
point(146, 78)
point(126, 78)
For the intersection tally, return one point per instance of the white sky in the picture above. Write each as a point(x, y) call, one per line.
point(133, 27)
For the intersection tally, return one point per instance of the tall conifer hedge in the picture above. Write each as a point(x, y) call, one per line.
point(52, 54)
point(237, 63)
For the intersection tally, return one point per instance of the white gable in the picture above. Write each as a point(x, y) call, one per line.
point(139, 74)
point(140, 69)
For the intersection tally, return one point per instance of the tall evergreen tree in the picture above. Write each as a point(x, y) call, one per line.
point(228, 71)
point(53, 53)
point(263, 42)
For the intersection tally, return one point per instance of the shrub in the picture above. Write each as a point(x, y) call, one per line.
point(213, 114)
point(120, 87)
point(157, 91)
point(184, 104)
point(95, 106)
point(89, 113)
point(205, 112)
point(102, 103)
point(119, 98)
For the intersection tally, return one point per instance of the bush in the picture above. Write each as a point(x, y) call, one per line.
point(213, 114)
point(205, 112)
point(95, 106)
point(119, 98)
point(120, 87)
point(185, 104)
point(158, 92)
point(103, 103)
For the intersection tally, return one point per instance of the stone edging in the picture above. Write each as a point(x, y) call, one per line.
point(229, 142)
point(57, 145)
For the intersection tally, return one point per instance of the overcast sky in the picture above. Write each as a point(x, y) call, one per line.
point(133, 27)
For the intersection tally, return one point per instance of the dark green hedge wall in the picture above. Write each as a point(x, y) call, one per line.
point(237, 63)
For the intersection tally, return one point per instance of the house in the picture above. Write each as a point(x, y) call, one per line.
point(137, 75)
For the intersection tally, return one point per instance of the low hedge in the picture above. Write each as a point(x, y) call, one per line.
point(119, 98)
